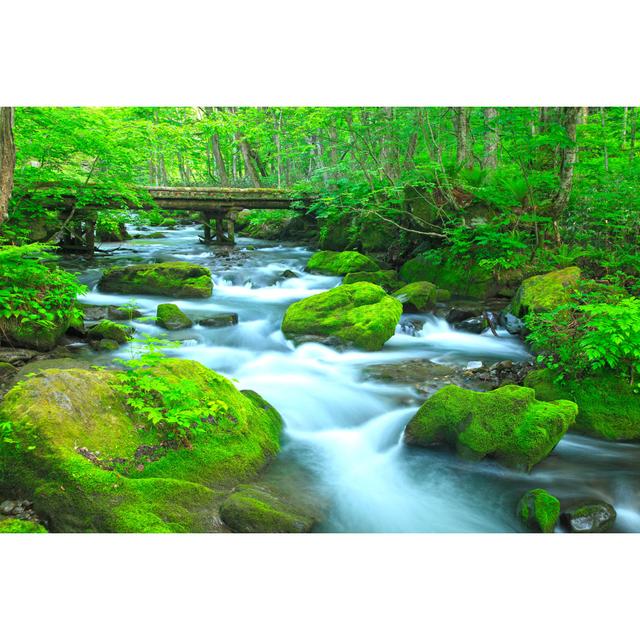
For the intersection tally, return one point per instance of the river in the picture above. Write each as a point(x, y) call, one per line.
point(342, 452)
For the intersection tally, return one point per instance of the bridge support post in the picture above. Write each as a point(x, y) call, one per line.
point(206, 228)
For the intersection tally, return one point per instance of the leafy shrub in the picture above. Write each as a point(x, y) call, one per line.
point(34, 292)
point(580, 338)
point(171, 408)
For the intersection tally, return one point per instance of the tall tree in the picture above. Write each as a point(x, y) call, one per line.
point(569, 120)
point(490, 158)
point(7, 159)
point(464, 157)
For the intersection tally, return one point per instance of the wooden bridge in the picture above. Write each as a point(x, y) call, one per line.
point(218, 206)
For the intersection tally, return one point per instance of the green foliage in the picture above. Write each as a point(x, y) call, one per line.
point(34, 292)
point(588, 335)
point(170, 408)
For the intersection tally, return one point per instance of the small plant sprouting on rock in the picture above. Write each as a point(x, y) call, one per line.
point(171, 407)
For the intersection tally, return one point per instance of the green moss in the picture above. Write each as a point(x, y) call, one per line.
point(339, 263)
point(388, 280)
point(175, 279)
point(61, 418)
point(253, 509)
point(607, 406)
point(361, 314)
point(539, 510)
point(13, 525)
point(458, 278)
point(239, 445)
point(171, 317)
point(109, 330)
point(544, 293)
point(507, 424)
point(417, 296)
point(29, 335)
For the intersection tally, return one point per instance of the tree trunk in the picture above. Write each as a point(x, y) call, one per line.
point(7, 159)
point(569, 117)
point(219, 160)
point(603, 127)
point(632, 135)
point(461, 126)
point(490, 159)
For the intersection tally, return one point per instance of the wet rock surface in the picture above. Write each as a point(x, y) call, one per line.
point(592, 516)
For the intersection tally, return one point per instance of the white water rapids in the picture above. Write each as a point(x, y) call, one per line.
point(342, 450)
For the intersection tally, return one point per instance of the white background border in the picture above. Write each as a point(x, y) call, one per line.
point(324, 53)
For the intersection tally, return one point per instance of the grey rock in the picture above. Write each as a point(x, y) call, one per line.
point(219, 320)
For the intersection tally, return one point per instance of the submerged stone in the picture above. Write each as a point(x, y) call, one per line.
point(254, 509)
point(170, 316)
point(175, 279)
point(359, 314)
point(507, 424)
point(339, 263)
point(219, 320)
point(594, 516)
point(545, 292)
point(539, 510)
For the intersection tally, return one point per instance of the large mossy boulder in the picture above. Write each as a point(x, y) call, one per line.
point(468, 280)
point(360, 315)
point(608, 408)
point(507, 424)
point(89, 464)
point(539, 511)
point(170, 316)
point(14, 525)
point(545, 292)
point(387, 279)
point(174, 279)
point(254, 509)
point(418, 296)
point(339, 263)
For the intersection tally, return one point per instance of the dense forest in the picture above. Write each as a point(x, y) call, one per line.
point(508, 223)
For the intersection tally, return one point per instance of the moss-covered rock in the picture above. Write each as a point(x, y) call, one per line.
point(175, 279)
point(171, 317)
point(30, 335)
point(545, 292)
point(539, 510)
point(417, 296)
point(360, 314)
point(507, 424)
point(13, 525)
point(253, 509)
point(469, 280)
point(339, 263)
point(89, 465)
point(109, 330)
point(388, 279)
point(7, 371)
point(607, 406)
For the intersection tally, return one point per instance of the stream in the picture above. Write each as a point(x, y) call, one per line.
point(342, 454)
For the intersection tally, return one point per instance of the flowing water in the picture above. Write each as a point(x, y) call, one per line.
point(342, 453)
